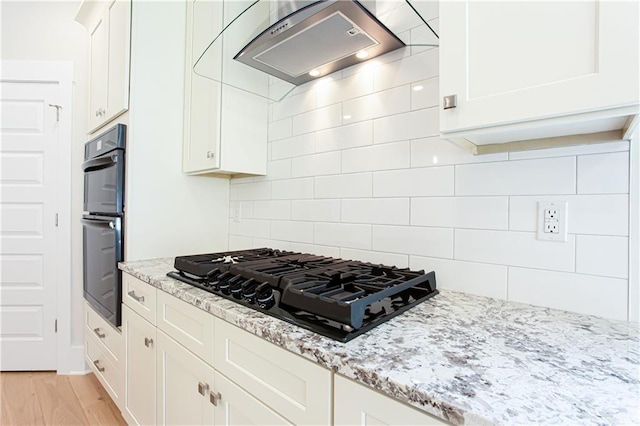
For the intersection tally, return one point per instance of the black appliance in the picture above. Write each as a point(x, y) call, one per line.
point(102, 223)
point(337, 298)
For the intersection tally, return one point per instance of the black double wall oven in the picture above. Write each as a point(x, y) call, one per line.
point(103, 221)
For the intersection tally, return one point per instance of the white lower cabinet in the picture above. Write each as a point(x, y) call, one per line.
point(238, 407)
point(140, 369)
point(186, 392)
point(356, 404)
point(194, 369)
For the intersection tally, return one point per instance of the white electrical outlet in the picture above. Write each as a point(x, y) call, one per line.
point(552, 220)
point(237, 214)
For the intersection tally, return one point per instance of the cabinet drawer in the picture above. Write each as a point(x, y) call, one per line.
point(188, 325)
point(109, 338)
point(104, 369)
point(140, 297)
point(295, 388)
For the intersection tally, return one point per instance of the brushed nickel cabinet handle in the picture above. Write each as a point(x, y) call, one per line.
point(214, 398)
point(450, 101)
point(99, 333)
point(148, 342)
point(97, 364)
point(203, 388)
point(136, 298)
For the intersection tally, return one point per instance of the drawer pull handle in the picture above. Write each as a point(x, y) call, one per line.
point(99, 333)
point(148, 342)
point(203, 388)
point(136, 298)
point(214, 398)
point(450, 101)
point(97, 364)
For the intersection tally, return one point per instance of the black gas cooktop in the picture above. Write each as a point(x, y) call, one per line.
point(337, 298)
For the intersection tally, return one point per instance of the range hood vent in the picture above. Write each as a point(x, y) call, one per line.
point(314, 40)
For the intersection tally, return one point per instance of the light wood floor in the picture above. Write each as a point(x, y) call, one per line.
point(44, 398)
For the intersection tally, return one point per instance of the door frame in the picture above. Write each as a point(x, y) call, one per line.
point(60, 72)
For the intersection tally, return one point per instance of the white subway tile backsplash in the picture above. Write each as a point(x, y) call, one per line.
point(604, 297)
point(524, 177)
point(293, 147)
point(276, 244)
point(425, 182)
point(272, 209)
point(250, 228)
point(376, 257)
point(318, 119)
point(425, 94)
point(385, 211)
point(433, 242)
point(316, 210)
point(316, 165)
point(292, 189)
point(514, 248)
point(344, 186)
point(379, 104)
point(407, 70)
point(237, 242)
point(350, 136)
point(412, 125)
point(279, 169)
point(439, 152)
point(376, 157)
point(356, 169)
point(600, 255)
point(341, 90)
point(600, 148)
point(292, 105)
point(461, 212)
point(301, 232)
point(316, 249)
point(603, 173)
point(343, 235)
point(468, 277)
point(279, 129)
point(254, 191)
point(243, 208)
point(587, 214)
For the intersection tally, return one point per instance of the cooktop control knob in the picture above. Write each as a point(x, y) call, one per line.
point(264, 296)
point(249, 290)
point(235, 287)
point(224, 282)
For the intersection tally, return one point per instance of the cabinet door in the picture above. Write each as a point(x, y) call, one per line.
point(185, 384)
point(140, 360)
point(237, 407)
point(355, 404)
point(119, 16)
point(99, 40)
point(202, 95)
point(511, 62)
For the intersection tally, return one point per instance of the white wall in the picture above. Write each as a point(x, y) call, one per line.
point(167, 212)
point(47, 31)
point(357, 170)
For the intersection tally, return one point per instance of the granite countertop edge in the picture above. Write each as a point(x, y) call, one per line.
point(377, 367)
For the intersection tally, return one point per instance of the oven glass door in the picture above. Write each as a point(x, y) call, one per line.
point(104, 183)
point(103, 249)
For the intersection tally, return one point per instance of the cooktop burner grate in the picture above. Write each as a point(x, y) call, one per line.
point(337, 298)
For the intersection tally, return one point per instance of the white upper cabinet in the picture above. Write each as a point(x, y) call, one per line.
point(109, 27)
point(549, 73)
point(225, 128)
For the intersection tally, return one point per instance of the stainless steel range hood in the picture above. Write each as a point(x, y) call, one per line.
point(287, 44)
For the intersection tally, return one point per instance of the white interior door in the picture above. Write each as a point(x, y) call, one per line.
point(28, 182)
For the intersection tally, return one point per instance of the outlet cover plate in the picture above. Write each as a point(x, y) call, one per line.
point(560, 215)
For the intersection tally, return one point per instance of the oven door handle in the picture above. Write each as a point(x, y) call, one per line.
point(99, 163)
point(100, 222)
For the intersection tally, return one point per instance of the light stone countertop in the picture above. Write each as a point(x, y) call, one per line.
point(467, 359)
